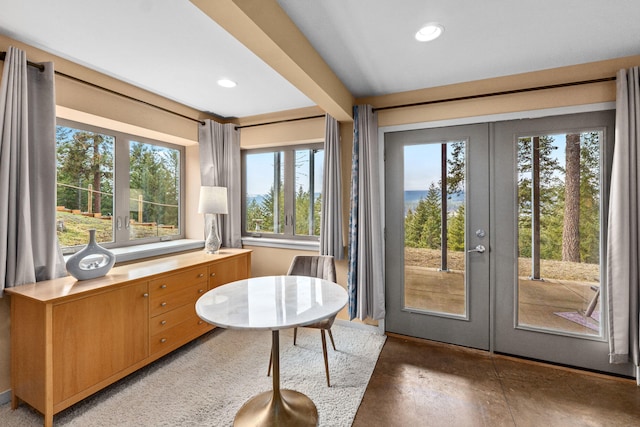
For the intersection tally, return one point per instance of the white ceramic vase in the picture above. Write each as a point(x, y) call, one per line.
point(91, 261)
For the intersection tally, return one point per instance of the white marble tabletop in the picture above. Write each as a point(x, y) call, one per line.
point(271, 302)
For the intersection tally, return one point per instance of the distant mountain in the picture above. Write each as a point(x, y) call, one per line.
point(259, 198)
point(413, 197)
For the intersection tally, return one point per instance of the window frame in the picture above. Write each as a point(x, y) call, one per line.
point(121, 148)
point(289, 191)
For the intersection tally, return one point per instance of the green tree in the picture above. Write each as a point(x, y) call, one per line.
point(549, 184)
point(302, 204)
point(571, 224)
point(423, 226)
point(84, 158)
point(456, 169)
point(268, 210)
point(590, 197)
point(254, 216)
point(154, 174)
point(455, 230)
point(302, 210)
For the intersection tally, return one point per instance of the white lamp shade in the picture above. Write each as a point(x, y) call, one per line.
point(213, 200)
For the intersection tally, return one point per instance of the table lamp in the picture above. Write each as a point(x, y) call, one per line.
point(213, 201)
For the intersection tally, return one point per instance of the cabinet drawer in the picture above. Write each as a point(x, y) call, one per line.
point(180, 334)
point(168, 320)
point(227, 271)
point(162, 303)
point(176, 282)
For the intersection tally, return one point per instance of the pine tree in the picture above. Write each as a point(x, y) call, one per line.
point(571, 225)
point(590, 197)
point(456, 230)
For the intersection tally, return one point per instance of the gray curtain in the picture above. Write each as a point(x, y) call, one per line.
point(220, 166)
point(623, 264)
point(29, 249)
point(331, 242)
point(365, 278)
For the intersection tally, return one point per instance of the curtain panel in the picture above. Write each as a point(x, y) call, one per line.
point(219, 147)
point(29, 249)
point(331, 242)
point(623, 267)
point(365, 280)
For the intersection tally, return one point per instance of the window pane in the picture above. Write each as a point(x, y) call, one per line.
point(559, 232)
point(84, 186)
point(308, 190)
point(154, 185)
point(265, 196)
point(434, 199)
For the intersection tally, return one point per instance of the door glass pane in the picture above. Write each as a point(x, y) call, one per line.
point(559, 232)
point(308, 188)
point(84, 186)
point(434, 228)
point(264, 174)
point(154, 191)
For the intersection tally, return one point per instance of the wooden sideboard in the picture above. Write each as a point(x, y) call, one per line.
point(72, 338)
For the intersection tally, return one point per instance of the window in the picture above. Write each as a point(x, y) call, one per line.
point(125, 187)
point(282, 192)
point(559, 226)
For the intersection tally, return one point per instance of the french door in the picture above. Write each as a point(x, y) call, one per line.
point(495, 235)
point(437, 241)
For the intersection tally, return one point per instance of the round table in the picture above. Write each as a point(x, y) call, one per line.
point(273, 303)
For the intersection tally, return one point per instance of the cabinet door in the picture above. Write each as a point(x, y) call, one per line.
point(97, 337)
point(228, 270)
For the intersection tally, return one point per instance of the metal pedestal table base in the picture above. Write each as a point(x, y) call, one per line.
point(277, 407)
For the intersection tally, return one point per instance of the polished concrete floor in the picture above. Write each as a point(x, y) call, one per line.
point(422, 383)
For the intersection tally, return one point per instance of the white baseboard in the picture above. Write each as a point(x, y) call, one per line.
point(5, 397)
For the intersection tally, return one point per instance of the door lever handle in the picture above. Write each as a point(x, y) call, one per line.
point(480, 249)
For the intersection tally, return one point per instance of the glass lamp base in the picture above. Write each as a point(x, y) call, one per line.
point(213, 242)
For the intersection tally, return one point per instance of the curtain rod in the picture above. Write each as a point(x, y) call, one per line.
point(280, 121)
point(506, 92)
point(32, 64)
point(111, 91)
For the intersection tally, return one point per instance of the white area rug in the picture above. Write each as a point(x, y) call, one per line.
point(207, 381)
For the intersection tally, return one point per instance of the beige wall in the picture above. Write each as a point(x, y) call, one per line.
point(90, 104)
point(76, 101)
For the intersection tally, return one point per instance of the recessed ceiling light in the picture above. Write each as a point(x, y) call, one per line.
point(227, 83)
point(430, 31)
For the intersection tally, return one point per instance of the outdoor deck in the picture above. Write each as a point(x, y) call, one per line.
point(433, 290)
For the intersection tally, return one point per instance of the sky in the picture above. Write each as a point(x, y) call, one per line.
point(422, 167)
point(422, 163)
point(260, 172)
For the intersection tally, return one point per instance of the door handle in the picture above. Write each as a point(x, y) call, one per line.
point(480, 249)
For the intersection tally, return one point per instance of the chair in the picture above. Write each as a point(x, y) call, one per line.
point(323, 267)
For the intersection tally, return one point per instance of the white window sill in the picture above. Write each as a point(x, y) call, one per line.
point(132, 253)
point(301, 245)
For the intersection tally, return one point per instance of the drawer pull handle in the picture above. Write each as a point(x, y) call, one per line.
point(201, 275)
point(164, 322)
point(163, 304)
point(145, 295)
point(213, 274)
point(200, 322)
point(163, 340)
point(163, 286)
point(200, 291)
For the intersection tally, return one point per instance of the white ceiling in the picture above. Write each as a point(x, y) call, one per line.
point(171, 48)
